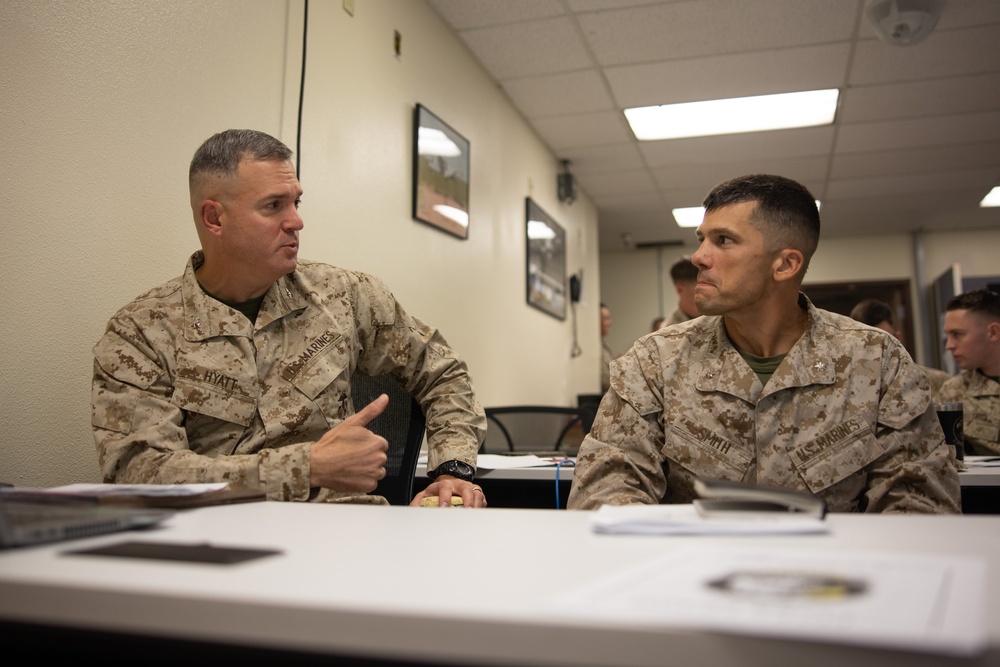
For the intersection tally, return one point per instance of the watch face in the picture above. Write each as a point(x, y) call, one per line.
point(458, 469)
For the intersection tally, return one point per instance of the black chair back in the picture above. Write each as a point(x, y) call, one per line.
point(402, 425)
point(533, 428)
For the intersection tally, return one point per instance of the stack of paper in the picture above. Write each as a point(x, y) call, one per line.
point(685, 520)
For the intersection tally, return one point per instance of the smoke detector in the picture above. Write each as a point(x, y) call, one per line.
point(903, 22)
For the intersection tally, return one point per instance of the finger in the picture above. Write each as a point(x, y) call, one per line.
point(478, 498)
point(370, 411)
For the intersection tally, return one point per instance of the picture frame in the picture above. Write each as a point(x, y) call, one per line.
point(546, 261)
point(440, 174)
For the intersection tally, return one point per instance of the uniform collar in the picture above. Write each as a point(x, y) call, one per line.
point(981, 384)
point(204, 317)
point(808, 362)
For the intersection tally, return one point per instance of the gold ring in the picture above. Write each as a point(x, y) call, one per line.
point(479, 489)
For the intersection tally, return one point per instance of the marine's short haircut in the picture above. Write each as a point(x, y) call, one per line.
point(786, 211)
point(222, 153)
point(873, 313)
point(684, 271)
point(983, 301)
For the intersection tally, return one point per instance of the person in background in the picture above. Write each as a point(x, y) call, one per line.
point(765, 388)
point(606, 354)
point(878, 314)
point(240, 370)
point(972, 328)
point(684, 275)
point(657, 324)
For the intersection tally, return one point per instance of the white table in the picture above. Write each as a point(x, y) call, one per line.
point(438, 585)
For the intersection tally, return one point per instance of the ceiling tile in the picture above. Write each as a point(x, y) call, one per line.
point(915, 132)
point(960, 94)
point(553, 94)
point(525, 49)
point(801, 142)
point(591, 129)
point(925, 159)
point(952, 53)
point(718, 77)
point(711, 27)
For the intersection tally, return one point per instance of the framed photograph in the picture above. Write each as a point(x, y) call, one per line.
point(440, 174)
point(546, 242)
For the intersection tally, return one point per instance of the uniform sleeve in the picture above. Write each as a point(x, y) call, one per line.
point(419, 357)
point(140, 434)
point(619, 462)
point(916, 473)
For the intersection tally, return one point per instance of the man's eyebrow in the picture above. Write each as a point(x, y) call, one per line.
point(280, 195)
point(723, 231)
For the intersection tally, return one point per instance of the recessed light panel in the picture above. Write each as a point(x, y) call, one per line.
point(732, 116)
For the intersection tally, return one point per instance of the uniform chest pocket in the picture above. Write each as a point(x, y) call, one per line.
point(979, 427)
point(213, 401)
point(835, 455)
point(704, 452)
point(314, 375)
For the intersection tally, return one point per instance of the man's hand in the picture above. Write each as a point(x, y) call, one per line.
point(446, 486)
point(349, 457)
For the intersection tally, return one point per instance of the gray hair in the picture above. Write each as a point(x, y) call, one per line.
point(222, 153)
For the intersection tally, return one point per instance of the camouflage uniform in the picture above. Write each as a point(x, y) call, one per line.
point(187, 389)
point(846, 416)
point(980, 398)
point(937, 378)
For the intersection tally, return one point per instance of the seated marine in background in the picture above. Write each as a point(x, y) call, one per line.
point(972, 328)
point(765, 388)
point(239, 370)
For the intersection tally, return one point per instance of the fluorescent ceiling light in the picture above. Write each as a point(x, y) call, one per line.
point(691, 216)
point(741, 114)
point(992, 199)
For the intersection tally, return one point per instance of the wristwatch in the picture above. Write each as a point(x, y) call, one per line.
point(458, 469)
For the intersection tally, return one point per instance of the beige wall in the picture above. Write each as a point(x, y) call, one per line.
point(103, 103)
point(629, 277)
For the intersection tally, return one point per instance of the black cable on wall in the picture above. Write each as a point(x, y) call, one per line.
point(302, 92)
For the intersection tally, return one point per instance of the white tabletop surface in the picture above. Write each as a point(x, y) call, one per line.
point(440, 584)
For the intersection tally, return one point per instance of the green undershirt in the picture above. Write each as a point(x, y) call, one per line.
point(764, 367)
point(249, 308)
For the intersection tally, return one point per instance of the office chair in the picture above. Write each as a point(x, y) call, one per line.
point(402, 424)
point(533, 428)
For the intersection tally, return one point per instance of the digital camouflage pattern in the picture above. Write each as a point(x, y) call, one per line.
point(187, 390)
point(980, 398)
point(845, 416)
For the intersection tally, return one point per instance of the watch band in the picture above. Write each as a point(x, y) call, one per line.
point(458, 469)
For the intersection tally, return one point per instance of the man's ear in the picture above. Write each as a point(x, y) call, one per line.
point(993, 331)
point(210, 216)
point(789, 264)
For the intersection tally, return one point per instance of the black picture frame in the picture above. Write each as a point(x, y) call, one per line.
point(440, 174)
point(546, 261)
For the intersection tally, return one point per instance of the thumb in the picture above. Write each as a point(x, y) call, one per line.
point(370, 411)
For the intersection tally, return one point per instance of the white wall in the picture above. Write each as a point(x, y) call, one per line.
point(104, 102)
point(630, 276)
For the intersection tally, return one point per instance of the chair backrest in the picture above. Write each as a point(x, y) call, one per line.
point(588, 404)
point(402, 425)
point(533, 428)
